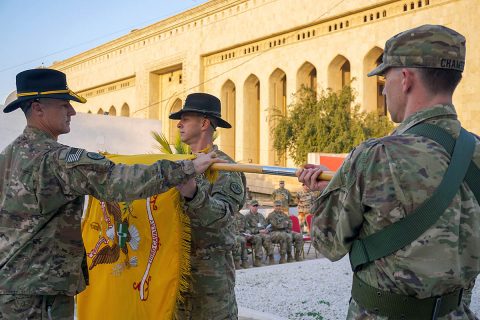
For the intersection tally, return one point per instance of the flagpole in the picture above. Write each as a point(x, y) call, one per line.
point(273, 170)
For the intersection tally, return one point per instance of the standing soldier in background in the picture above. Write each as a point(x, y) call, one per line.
point(42, 187)
point(283, 195)
point(257, 227)
point(241, 237)
point(211, 207)
point(282, 229)
point(406, 206)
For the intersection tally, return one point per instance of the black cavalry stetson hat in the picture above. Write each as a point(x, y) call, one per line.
point(205, 104)
point(42, 83)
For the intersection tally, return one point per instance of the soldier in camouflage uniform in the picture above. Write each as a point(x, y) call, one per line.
point(305, 200)
point(240, 255)
point(282, 228)
point(256, 226)
point(211, 208)
point(42, 189)
point(383, 180)
point(283, 195)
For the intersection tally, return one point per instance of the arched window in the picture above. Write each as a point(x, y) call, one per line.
point(405, 7)
point(228, 99)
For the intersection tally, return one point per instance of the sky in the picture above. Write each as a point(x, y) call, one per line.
point(38, 32)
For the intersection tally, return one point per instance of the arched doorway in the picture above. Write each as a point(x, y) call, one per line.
point(125, 112)
point(251, 125)
point(100, 111)
point(278, 107)
point(227, 136)
point(339, 73)
point(373, 99)
point(307, 76)
point(112, 111)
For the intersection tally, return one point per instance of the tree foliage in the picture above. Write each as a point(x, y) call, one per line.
point(327, 123)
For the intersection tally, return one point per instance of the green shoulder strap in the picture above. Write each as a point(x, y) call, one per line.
point(405, 231)
point(441, 136)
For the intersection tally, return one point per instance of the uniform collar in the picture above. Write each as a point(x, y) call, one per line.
point(439, 110)
point(36, 134)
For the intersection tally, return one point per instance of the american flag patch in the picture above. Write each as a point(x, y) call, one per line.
point(73, 155)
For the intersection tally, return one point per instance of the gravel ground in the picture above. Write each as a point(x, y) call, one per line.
point(309, 290)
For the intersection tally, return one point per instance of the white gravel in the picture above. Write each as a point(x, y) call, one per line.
point(310, 290)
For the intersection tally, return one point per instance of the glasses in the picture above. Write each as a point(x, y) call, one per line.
point(255, 205)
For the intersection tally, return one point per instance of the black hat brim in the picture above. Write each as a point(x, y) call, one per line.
point(219, 121)
point(14, 105)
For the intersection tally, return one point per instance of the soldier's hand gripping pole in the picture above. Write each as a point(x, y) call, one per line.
point(273, 170)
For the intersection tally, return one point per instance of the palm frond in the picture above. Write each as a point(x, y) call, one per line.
point(180, 147)
point(164, 145)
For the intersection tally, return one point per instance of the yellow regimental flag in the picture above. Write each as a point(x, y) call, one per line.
point(137, 254)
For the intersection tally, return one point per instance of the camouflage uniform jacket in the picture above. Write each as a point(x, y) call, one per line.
point(279, 221)
point(283, 195)
point(42, 185)
point(240, 223)
point(213, 207)
point(382, 181)
point(253, 219)
point(305, 200)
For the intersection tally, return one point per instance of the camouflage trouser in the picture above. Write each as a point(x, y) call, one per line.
point(23, 307)
point(260, 240)
point(280, 237)
point(211, 295)
point(240, 249)
point(296, 239)
point(356, 312)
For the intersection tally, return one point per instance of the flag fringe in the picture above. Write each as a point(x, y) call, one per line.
point(185, 270)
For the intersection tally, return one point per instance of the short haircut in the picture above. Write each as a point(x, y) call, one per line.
point(440, 80)
point(25, 106)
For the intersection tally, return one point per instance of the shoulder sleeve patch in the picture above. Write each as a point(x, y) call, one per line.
point(73, 155)
point(236, 188)
point(95, 156)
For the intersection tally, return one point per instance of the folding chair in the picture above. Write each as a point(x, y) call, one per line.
point(309, 218)
point(296, 228)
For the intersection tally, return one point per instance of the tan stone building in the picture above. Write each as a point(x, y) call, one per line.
point(254, 54)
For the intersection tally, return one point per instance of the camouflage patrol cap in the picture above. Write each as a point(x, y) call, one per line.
point(254, 203)
point(427, 46)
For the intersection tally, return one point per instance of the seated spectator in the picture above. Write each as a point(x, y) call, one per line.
point(305, 201)
point(257, 227)
point(282, 228)
point(241, 237)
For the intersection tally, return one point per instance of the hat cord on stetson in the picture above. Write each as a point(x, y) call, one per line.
point(35, 93)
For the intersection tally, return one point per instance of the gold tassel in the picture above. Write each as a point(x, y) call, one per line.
point(186, 238)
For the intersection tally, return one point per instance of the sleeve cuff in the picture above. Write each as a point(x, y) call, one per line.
point(188, 167)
